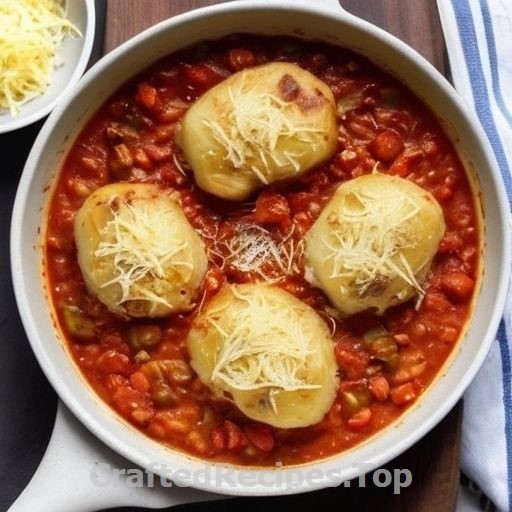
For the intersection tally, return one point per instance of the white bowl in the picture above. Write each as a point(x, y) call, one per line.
point(70, 63)
point(313, 20)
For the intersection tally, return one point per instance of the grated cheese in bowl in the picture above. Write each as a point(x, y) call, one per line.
point(73, 24)
point(31, 32)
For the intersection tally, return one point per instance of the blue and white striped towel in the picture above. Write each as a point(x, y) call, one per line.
point(478, 36)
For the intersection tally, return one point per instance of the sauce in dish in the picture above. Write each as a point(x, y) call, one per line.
point(262, 250)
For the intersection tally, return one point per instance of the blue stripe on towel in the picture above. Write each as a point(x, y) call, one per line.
point(467, 34)
point(496, 82)
point(493, 59)
point(507, 402)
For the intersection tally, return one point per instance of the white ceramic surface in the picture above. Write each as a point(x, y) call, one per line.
point(325, 20)
point(70, 63)
point(78, 473)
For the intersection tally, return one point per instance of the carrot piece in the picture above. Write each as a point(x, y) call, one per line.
point(403, 394)
point(236, 439)
point(146, 95)
point(379, 387)
point(260, 436)
point(218, 439)
point(386, 146)
point(458, 285)
point(240, 58)
point(360, 419)
point(140, 382)
point(202, 75)
point(273, 208)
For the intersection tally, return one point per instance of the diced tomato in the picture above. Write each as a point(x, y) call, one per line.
point(273, 208)
point(386, 146)
point(141, 159)
point(132, 404)
point(175, 421)
point(260, 436)
point(403, 394)
point(403, 164)
point(335, 415)
point(436, 301)
point(236, 439)
point(140, 382)
point(353, 362)
point(458, 285)
point(402, 339)
point(158, 153)
point(112, 361)
point(407, 372)
point(146, 95)
point(197, 442)
point(451, 242)
point(360, 419)
point(442, 193)
point(201, 75)
point(379, 387)
point(170, 111)
point(240, 58)
point(218, 438)
point(213, 280)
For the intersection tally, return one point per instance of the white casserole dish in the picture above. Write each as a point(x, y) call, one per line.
point(323, 20)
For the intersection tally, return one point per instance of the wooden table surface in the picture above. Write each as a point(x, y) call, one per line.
point(434, 461)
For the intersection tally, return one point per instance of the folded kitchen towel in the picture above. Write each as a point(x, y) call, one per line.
point(478, 36)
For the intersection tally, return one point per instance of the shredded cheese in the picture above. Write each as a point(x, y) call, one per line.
point(142, 243)
point(265, 344)
point(31, 32)
point(252, 248)
point(368, 239)
point(254, 126)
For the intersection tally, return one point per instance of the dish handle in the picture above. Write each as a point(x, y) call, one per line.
point(334, 6)
point(78, 472)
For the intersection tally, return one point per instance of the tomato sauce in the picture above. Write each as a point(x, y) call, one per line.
point(141, 367)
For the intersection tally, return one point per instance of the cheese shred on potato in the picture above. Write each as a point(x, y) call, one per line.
point(261, 125)
point(373, 243)
point(138, 253)
point(31, 32)
point(268, 351)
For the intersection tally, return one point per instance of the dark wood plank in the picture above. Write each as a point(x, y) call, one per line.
point(415, 22)
point(434, 460)
point(126, 18)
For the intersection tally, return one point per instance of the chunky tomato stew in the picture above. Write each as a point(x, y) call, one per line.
point(141, 367)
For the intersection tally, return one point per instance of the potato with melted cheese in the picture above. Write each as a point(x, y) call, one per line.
point(261, 125)
point(137, 251)
point(373, 243)
point(268, 351)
